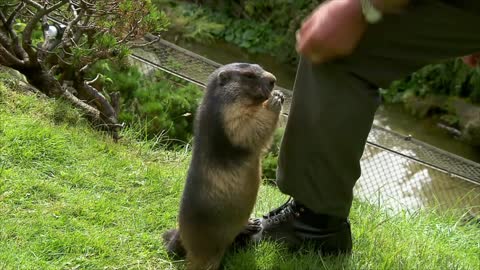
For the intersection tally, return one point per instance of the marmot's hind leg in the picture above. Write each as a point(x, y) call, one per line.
point(171, 239)
point(206, 260)
point(206, 246)
point(246, 236)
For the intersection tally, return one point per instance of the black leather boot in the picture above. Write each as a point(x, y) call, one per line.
point(295, 225)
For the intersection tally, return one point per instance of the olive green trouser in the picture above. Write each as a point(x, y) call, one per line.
point(334, 103)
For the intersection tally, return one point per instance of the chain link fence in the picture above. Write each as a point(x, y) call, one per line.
point(398, 172)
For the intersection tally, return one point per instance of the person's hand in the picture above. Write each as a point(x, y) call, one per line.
point(472, 60)
point(336, 26)
point(332, 30)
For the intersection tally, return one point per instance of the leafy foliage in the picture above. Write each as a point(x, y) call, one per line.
point(452, 78)
point(270, 161)
point(162, 106)
point(258, 26)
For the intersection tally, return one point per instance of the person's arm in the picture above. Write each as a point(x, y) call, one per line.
point(335, 27)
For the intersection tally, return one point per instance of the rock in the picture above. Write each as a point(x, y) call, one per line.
point(469, 121)
point(423, 107)
point(145, 68)
point(457, 116)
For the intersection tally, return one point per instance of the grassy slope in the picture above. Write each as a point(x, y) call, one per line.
point(72, 199)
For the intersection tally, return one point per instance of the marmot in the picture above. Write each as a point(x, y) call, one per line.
point(234, 125)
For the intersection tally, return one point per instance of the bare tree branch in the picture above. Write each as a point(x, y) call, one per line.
point(72, 6)
point(97, 97)
point(70, 25)
point(129, 34)
point(100, 55)
point(7, 5)
point(153, 39)
point(88, 4)
point(108, 113)
point(4, 22)
point(89, 110)
point(8, 25)
point(27, 33)
point(33, 4)
point(80, 29)
point(5, 41)
point(94, 80)
point(3, 62)
point(10, 20)
point(10, 58)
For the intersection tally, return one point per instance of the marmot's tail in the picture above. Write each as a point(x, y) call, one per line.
point(171, 238)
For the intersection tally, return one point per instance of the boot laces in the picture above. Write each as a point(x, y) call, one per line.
point(283, 213)
point(277, 210)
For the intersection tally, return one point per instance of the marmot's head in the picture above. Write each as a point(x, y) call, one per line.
point(243, 81)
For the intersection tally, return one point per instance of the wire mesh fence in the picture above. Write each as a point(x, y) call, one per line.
point(398, 171)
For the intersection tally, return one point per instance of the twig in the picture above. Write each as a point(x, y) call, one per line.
point(70, 26)
point(3, 18)
point(88, 4)
point(13, 15)
point(82, 70)
point(72, 6)
point(155, 39)
point(27, 34)
point(7, 5)
point(94, 80)
point(89, 110)
point(33, 4)
point(129, 34)
point(80, 29)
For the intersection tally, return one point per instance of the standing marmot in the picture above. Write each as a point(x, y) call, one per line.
point(234, 125)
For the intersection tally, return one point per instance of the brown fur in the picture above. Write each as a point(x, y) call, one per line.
point(235, 124)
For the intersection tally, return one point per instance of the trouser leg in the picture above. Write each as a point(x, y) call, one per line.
point(330, 117)
point(334, 103)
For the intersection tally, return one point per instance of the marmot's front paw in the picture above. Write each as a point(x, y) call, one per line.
point(275, 101)
point(249, 233)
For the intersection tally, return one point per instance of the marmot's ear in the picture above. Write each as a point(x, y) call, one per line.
point(223, 77)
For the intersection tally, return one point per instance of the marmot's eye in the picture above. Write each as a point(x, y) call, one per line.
point(250, 75)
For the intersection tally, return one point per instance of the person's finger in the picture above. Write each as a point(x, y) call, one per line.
point(301, 36)
point(316, 54)
point(307, 24)
point(318, 57)
point(304, 38)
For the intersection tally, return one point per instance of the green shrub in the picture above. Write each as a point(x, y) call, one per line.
point(158, 104)
point(452, 78)
point(258, 26)
point(167, 109)
point(270, 161)
point(193, 22)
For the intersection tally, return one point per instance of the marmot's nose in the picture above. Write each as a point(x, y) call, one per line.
point(270, 78)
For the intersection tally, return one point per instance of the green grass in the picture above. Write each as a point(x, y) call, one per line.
point(70, 198)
